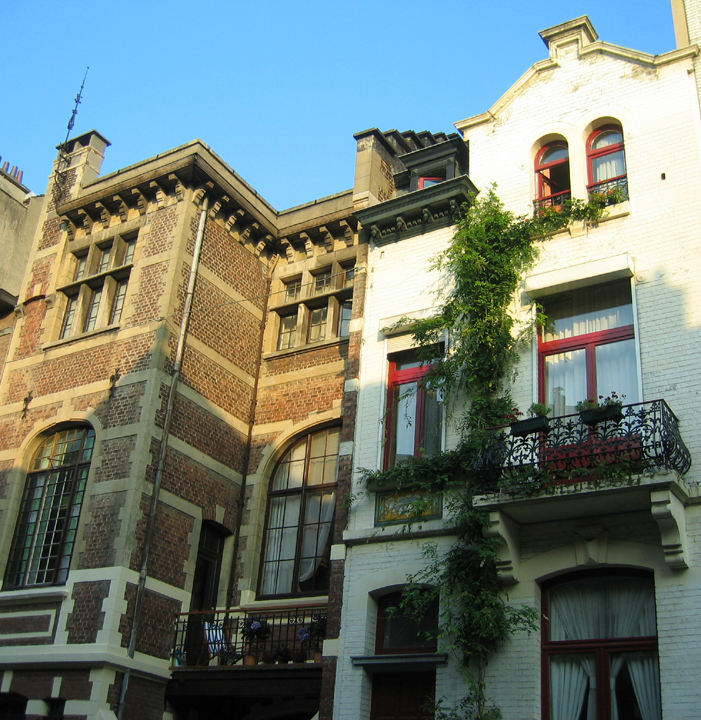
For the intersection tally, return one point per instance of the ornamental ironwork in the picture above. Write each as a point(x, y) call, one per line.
point(614, 190)
point(600, 445)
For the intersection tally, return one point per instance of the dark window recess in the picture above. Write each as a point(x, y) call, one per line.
point(207, 568)
point(398, 633)
point(12, 706)
point(403, 696)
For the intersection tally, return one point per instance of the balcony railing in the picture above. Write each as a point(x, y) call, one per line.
point(614, 190)
point(236, 637)
point(552, 201)
point(574, 448)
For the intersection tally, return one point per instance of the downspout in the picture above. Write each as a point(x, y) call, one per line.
point(151, 521)
point(247, 454)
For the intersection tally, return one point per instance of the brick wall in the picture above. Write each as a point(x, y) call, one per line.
point(87, 616)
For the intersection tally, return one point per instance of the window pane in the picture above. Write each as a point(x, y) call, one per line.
point(80, 267)
point(616, 370)
point(405, 422)
point(93, 310)
point(104, 259)
point(432, 428)
point(345, 318)
point(606, 139)
point(130, 247)
point(317, 324)
point(402, 631)
point(293, 290)
point(118, 304)
point(635, 686)
point(322, 282)
point(69, 317)
point(573, 687)
point(609, 166)
point(594, 309)
point(565, 381)
point(553, 153)
point(288, 327)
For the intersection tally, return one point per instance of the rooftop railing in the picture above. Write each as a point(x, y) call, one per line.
point(237, 637)
point(617, 441)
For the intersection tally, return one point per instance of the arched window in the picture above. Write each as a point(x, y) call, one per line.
point(48, 519)
point(301, 505)
point(600, 648)
point(606, 159)
point(552, 171)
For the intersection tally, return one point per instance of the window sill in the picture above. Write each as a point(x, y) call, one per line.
point(33, 595)
point(82, 336)
point(411, 662)
point(309, 347)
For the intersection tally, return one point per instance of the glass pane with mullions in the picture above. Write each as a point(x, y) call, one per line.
point(104, 259)
point(405, 422)
point(565, 381)
point(616, 370)
point(609, 166)
point(573, 687)
point(603, 307)
point(317, 324)
point(93, 310)
point(635, 686)
point(69, 317)
point(118, 302)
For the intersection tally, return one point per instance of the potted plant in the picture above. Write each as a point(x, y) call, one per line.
point(537, 420)
point(253, 631)
point(609, 408)
point(284, 655)
point(314, 635)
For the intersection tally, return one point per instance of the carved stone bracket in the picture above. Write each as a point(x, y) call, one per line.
point(308, 244)
point(503, 528)
point(86, 220)
point(198, 196)
point(235, 217)
point(122, 207)
point(400, 223)
point(141, 201)
point(289, 250)
point(246, 234)
point(348, 234)
point(214, 210)
point(179, 187)
point(668, 512)
point(161, 194)
point(591, 545)
point(68, 227)
point(105, 215)
point(327, 238)
point(426, 215)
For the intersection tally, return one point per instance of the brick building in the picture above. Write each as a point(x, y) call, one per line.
point(179, 345)
point(613, 564)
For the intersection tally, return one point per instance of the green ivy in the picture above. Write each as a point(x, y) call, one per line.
point(483, 266)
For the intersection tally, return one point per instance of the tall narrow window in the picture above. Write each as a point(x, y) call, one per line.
point(293, 290)
point(322, 282)
point(93, 309)
point(207, 568)
point(552, 171)
point(69, 317)
point(344, 318)
point(288, 332)
point(118, 303)
point(103, 259)
point(414, 419)
point(600, 649)
point(301, 508)
point(587, 348)
point(48, 519)
point(317, 324)
point(607, 163)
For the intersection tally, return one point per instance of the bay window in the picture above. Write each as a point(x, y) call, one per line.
point(600, 649)
point(587, 348)
point(414, 416)
point(301, 506)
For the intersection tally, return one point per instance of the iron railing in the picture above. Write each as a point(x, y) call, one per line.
point(552, 201)
point(236, 637)
point(573, 448)
point(614, 190)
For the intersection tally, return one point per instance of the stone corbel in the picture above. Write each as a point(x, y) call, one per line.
point(68, 227)
point(105, 215)
point(259, 248)
point(454, 210)
point(375, 232)
point(668, 512)
point(400, 223)
point(86, 221)
point(141, 201)
point(198, 196)
point(179, 187)
point(504, 529)
point(327, 238)
point(246, 234)
point(214, 210)
point(591, 545)
point(426, 215)
point(289, 250)
point(161, 194)
point(308, 244)
point(122, 207)
point(233, 219)
point(348, 234)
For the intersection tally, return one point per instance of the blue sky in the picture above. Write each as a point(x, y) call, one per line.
point(277, 89)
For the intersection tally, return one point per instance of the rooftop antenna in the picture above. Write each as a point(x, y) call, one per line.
point(78, 98)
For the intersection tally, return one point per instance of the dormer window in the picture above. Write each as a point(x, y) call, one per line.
point(552, 172)
point(431, 179)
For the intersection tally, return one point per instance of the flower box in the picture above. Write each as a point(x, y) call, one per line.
point(613, 413)
point(540, 423)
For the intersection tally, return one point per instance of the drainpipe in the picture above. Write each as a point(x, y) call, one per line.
point(247, 455)
point(151, 521)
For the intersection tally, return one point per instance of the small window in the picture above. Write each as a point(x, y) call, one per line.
point(415, 417)
point(288, 332)
point(552, 170)
point(48, 519)
point(118, 303)
point(399, 633)
point(301, 507)
point(607, 164)
point(344, 318)
point(322, 282)
point(69, 316)
point(587, 348)
point(425, 182)
point(129, 248)
point(81, 262)
point(93, 309)
point(349, 276)
point(317, 324)
point(103, 259)
point(293, 290)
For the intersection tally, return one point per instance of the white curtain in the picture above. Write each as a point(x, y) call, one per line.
point(645, 675)
point(609, 166)
point(282, 544)
point(318, 521)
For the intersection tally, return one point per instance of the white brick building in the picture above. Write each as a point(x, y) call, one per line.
point(624, 300)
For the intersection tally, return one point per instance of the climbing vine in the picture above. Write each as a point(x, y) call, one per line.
point(482, 269)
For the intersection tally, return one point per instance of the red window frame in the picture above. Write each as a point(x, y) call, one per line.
point(540, 167)
point(608, 150)
point(396, 379)
point(589, 342)
point(431, 181)
point(602, 648)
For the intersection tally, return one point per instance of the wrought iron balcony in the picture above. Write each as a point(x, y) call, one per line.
point(573, 448)
point(236, 637)
point(552, 201)
point(614, 190)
